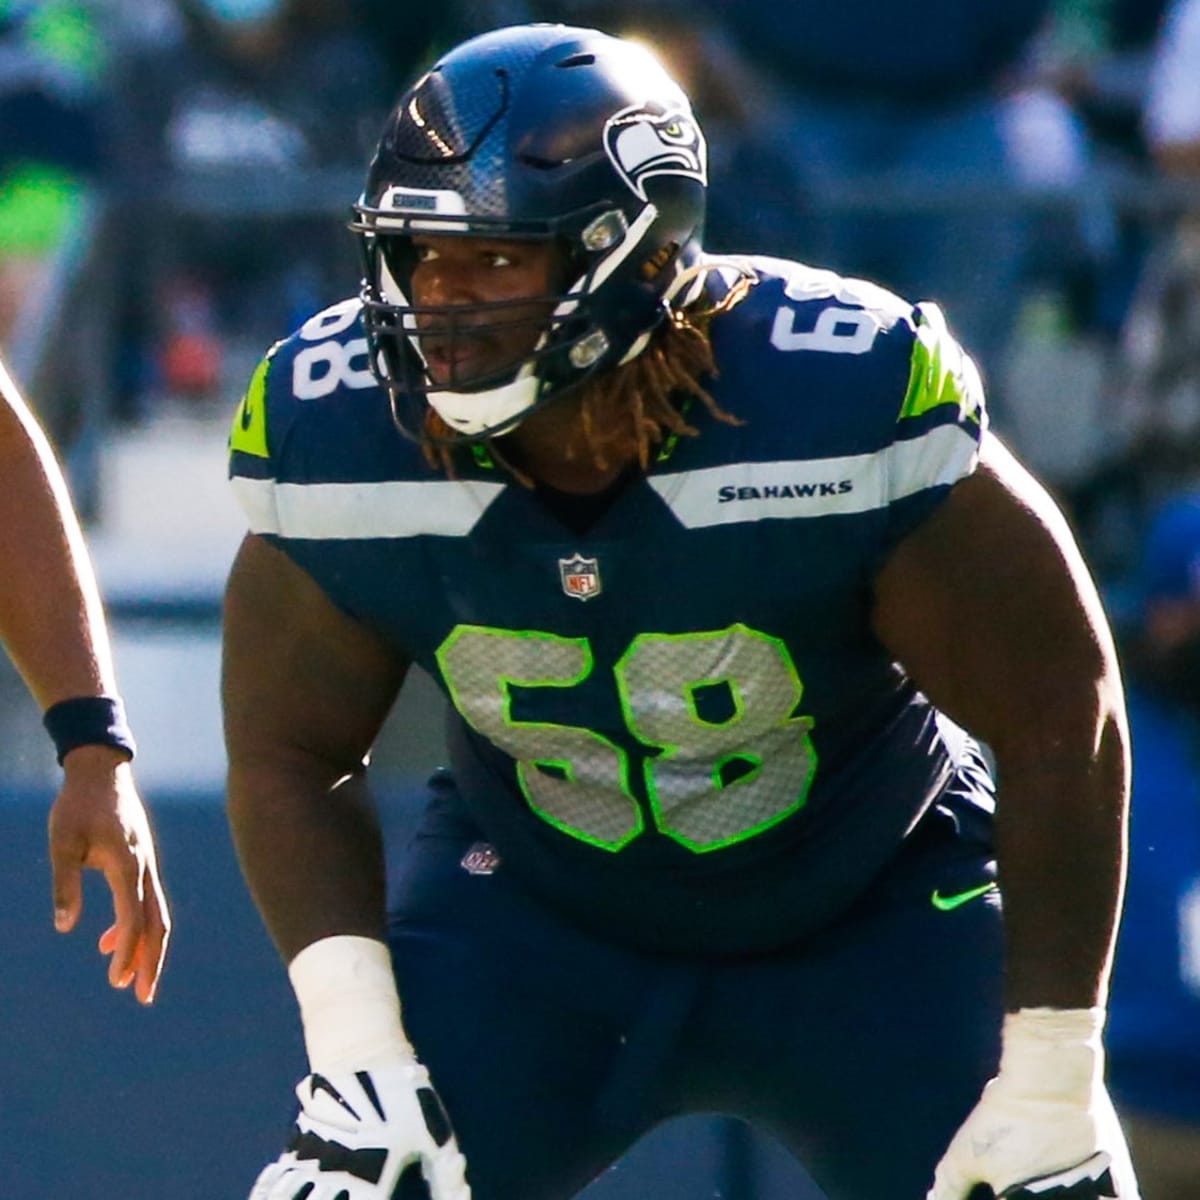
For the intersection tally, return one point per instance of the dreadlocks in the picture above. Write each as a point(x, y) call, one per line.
point(638, 405)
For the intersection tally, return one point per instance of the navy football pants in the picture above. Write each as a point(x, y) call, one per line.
point(862, 1050)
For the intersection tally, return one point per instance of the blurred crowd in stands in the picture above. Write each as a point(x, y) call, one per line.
point(1032, 165)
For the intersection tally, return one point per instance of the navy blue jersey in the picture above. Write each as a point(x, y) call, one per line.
point(677, 726)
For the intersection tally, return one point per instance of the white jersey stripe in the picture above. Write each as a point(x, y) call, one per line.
point(744, 492)
point(393, 509)
point(740, 492)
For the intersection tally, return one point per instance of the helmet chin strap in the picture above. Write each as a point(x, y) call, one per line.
point(475, 413)
point(693, 279)
point(690, 278)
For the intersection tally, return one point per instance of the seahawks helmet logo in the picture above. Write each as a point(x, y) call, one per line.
point(643, 143)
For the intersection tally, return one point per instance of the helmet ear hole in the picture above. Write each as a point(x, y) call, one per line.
point(571, 264)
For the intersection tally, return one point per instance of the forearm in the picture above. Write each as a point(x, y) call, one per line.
point(60, 647)
point(311, 852)
point(1061, 829)
point(313, 858)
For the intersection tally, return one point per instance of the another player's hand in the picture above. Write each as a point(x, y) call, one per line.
point(358, 1133)
point(1045, 1128)
point(98, 820)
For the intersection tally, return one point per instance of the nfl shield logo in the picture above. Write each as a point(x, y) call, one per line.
point(480, 859)
point(580, 576)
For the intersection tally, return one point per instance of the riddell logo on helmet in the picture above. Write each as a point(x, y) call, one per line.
point(426, 203)
point(643, 143)
point(440, 201)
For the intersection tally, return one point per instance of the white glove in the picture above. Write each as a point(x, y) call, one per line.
point(1045, 1128)
point(357, 1133)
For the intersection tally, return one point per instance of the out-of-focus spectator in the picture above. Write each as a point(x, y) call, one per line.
point(51, 96)
point(1085, 86)
point(1073, 123)
point(261, 84)
point(1154, 1019)
point(1173, 108)
point(235, 119)
point(1154, 406)
point(1099, 56)
point(884, 107)
point(1162, 336)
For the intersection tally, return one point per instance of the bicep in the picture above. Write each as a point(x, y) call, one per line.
point(302, 682)
point(991, 609)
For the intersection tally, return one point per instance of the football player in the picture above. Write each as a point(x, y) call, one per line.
point(52, 624)
point(717, 564)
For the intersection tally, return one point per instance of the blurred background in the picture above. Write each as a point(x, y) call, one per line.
point(175, 177)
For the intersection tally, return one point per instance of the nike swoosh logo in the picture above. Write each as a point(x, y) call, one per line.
point(947, 903)
point(318, 1083)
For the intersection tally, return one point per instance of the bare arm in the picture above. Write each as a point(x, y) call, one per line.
point(52, 625)
point(991, 608)
point(305, 690)
point(60, 649)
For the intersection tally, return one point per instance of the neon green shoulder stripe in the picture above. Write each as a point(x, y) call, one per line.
point(248, 433)
point(941, 372)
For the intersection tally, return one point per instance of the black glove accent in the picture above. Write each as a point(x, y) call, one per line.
point(436, 1120)
point(332, 1156)
point(368, 1086)
point(1100, 1188)
point(411, 1185)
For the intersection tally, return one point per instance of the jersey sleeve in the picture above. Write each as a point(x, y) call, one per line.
point(255, 436)
point(939, 427)
point(312, 414)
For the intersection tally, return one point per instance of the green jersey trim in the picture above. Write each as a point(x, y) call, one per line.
point(941, 373)
point(248, 432)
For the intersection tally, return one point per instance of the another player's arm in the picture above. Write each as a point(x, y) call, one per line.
point(60, 649)
point(53, 626)
point(305, 690)
point(990, 607)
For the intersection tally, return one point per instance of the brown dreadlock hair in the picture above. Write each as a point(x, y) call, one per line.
point(637, 405)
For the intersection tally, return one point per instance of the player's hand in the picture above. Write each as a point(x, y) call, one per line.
point(359, 1132)
point(1045, 1128)
point(98, 820)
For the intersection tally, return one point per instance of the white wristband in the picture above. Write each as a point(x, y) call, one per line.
point(349, 1006)
point(1054, 1053)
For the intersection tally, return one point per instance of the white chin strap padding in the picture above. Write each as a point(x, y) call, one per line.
point(473, 413)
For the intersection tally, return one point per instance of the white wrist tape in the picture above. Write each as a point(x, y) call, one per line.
point(349, 1006)
point(1054, 1053)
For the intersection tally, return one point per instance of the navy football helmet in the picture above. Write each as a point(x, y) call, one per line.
point(534, 131)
